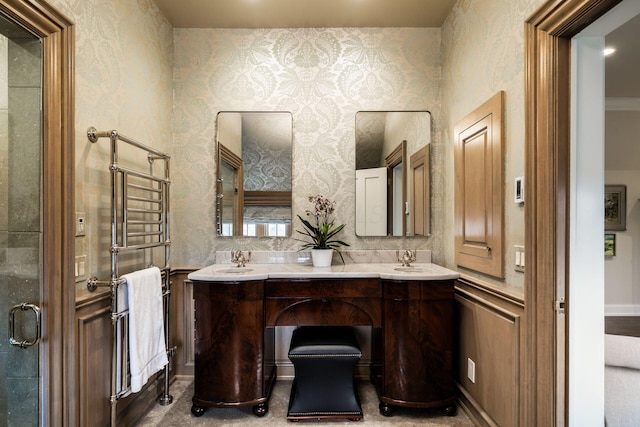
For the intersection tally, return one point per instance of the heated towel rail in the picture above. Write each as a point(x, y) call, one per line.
point(139, 233)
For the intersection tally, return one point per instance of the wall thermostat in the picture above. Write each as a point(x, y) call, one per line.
point(519, 189)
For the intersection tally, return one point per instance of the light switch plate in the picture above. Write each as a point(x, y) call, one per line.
point(519, 190)
point(81, 268)
point(80, 224)
point(519, 258)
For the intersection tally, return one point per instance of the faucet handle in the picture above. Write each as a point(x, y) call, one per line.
point(239, 258)
point(408, 256)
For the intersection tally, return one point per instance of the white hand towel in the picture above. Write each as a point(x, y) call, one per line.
point(147, 347)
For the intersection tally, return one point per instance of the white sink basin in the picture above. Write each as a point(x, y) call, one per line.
point(237, 270)
point(410, 269)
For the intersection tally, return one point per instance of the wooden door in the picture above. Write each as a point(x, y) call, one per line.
point(420, 184)
point(548, 34)
point(479, 187)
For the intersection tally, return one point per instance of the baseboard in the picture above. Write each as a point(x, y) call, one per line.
point(622, 310)
point(184, 377)
point(477, 415)
point(134, 406)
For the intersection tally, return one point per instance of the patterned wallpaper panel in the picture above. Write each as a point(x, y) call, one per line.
point(123, 77)
point(266, 151)
point(483, 53)
point(323, 76)
point(136, 74)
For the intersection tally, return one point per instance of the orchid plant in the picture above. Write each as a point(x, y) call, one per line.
point(321, 227)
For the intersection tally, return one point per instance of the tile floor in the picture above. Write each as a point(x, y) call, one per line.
point(179, 412)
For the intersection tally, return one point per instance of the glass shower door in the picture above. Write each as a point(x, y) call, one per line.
point(20, 224)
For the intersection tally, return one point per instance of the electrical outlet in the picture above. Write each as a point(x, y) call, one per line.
point(471, 370)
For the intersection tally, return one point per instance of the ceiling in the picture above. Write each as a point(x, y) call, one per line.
point(305, 13)
point(622, 73)
point(622, 68)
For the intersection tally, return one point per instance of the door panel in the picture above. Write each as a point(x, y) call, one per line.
point(479, 188)
point(420, 184)
point(371, 202)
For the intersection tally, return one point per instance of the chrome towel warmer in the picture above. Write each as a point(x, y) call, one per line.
point(139, 223)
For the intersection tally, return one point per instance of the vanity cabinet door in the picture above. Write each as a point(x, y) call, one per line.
point(229, 343)
point(418, 347)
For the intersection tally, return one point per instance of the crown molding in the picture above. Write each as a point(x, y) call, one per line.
point(622, 104)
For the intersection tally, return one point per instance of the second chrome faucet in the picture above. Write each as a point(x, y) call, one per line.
point(239, 258)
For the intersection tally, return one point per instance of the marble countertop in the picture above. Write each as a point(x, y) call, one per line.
point(392, 271)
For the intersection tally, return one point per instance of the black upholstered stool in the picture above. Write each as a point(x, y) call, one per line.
point(324, 386)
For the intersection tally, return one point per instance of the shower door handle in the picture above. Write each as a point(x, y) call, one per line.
point(12, 325)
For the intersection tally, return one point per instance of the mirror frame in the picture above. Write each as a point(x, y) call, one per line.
point(252, 198)
point(410, 198)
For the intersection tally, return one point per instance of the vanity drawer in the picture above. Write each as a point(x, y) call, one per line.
point(299, 302)
point(323, 288)
point(419, 290)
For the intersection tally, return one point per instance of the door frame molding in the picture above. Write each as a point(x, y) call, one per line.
point(548, 34)
point(57, 393)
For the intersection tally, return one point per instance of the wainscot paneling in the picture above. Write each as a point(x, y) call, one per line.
point(490, 334)
point(182, 322)
point(94, 343)
point(93, 360)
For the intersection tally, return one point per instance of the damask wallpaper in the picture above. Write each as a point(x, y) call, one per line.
point(266, 151)
point(123, 63)
point(323, 76)
point(483, 53)
point(137, 74)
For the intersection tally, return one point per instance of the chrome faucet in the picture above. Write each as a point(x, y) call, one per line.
point(408, 256)
point(239, 258)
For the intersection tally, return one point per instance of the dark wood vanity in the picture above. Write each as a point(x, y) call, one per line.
point(412, 329)
point(417, 346)
point(230, 355)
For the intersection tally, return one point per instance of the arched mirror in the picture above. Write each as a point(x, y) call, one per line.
point(254, 173)
point(392, 173)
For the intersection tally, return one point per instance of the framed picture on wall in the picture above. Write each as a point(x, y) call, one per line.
point(609, 244)
point(615, 207)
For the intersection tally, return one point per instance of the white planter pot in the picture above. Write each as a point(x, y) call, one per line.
point(321, 257)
